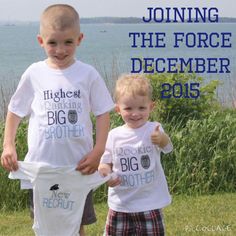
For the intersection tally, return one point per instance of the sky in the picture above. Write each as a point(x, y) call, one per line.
point(30, 10)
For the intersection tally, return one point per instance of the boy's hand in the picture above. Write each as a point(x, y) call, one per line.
point(9, 159)
point(89, 164)
point(104, 170)
point(159, 138)
point(114, 181)
point(9, 156)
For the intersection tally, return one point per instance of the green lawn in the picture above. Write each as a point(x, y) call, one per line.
point(213, 215)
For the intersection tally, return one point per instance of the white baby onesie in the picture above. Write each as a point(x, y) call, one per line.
point(59, 196)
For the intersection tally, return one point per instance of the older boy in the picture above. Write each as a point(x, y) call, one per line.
point(58, 94)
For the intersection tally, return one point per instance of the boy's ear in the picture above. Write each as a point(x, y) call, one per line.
point(152, 105)
point(80, 38)
point(40, 40)
point(117, 109)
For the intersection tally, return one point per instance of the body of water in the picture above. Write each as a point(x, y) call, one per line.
point(108, 48)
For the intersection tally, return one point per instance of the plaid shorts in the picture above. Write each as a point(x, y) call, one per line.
point(135, 224)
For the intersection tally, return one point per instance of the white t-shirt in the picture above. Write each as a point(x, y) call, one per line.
point(137, 162)
point(59, 103)
point(59, 196)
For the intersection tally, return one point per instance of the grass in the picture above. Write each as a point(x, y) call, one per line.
point(203, 162)
point(210, 215)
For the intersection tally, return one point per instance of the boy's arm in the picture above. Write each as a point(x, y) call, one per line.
point(89, 164)
point(9, 155)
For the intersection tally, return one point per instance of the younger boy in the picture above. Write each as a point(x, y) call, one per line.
point(132, 152)
point(58, 94)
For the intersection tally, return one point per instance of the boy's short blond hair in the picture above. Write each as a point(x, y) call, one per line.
point(132, 85)
point(59, 17)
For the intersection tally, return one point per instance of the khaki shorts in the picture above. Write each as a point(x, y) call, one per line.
point(88, 217)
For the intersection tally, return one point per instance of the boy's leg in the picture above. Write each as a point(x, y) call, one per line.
point(31, 203)
point(119, 224)
point(149, 223)
point(89, 216)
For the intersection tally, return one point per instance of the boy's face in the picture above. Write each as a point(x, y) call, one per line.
point(60, 46)
point(134, 110)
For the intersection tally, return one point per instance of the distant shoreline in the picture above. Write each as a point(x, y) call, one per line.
point(138, 20)
point(117, 20)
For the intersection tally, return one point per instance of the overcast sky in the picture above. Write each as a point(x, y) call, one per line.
point(30, 10)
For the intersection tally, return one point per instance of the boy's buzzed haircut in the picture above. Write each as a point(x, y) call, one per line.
point(59, 17)
point(132, 85)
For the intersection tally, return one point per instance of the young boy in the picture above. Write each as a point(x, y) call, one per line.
point(136, 196)
point(58, 94)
